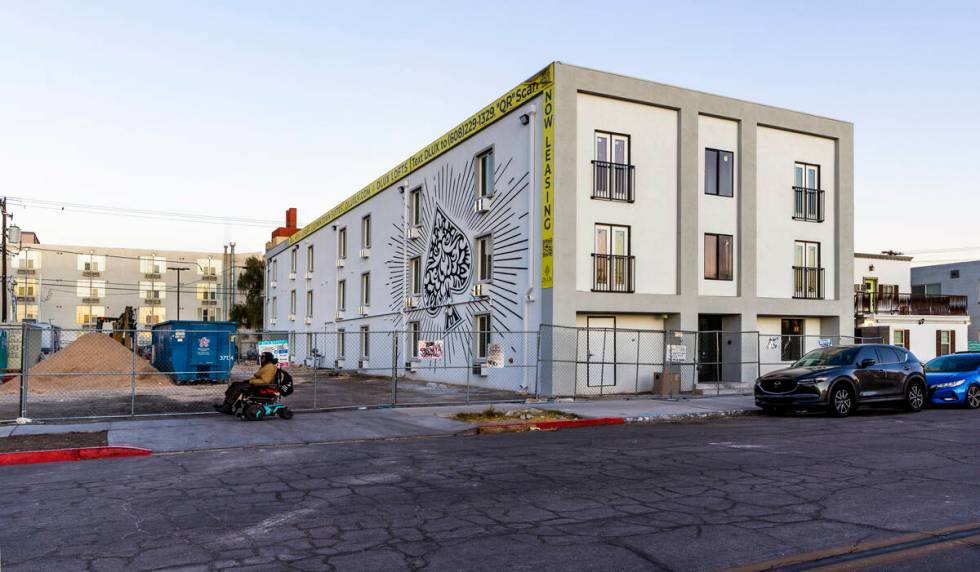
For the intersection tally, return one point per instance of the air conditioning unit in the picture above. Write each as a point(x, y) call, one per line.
point(480, 369)
point(481, 290)
point(413, 301)
point(482, 204)
point(292, 317)
point(338, 363)
point(362, 363)
point(341, 262)
point(308, 320)
point(273, 284)
point(309, 276)
point(363, 310)
point(414, 233)
point(292, 276)
point(365, 252)
point(412, 366)
point(340, 315)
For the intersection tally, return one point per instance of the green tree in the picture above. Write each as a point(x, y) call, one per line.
point(252, 282)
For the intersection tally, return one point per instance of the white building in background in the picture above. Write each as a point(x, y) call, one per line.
point(587, 199)
point(71, 286)
point(886, 306)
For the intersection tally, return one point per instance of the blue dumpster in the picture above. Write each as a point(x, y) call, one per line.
point(194, 351)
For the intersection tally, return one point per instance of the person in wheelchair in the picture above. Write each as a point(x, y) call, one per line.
point(265, 376)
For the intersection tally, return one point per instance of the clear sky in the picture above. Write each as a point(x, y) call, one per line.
point(235, 108)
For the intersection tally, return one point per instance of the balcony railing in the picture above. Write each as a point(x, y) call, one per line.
point(612, 273)
point(905, 304)
point(808, 283)
point(808, 204)
point(612, 181)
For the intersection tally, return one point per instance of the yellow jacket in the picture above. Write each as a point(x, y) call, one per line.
point(265, 376)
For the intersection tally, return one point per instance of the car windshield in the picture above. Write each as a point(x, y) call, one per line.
point(828, 356)
point(950, 364)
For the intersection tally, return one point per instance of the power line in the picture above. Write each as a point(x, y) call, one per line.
point(216, 255)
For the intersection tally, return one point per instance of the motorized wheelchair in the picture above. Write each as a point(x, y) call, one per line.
point(263, 401)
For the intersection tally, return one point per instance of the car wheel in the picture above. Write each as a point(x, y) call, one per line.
point(915, 396)
point(973, 397)
point(841, 401)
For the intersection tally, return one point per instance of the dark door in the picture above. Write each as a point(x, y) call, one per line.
point(869, 378)
point(792, 339)
point(709, 349)
point(892, 371)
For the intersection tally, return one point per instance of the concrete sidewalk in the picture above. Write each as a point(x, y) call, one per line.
point(215, 431)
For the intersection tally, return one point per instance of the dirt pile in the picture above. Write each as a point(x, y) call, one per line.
point(93, 361)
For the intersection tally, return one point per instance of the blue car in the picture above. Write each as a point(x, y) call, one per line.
point(954, 379)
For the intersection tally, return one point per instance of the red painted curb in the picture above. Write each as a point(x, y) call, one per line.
point(552, 425)
point(76, 454)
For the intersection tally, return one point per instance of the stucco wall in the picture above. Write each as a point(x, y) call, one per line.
point(717, 214)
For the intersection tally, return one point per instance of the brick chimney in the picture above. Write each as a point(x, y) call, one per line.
point(284, 232)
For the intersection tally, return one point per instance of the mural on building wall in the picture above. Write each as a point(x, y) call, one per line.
point(449, 227)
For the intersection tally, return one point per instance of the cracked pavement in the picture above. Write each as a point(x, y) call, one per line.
point(692, 496)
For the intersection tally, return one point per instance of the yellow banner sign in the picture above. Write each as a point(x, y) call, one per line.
point(478, 121)
point(547, 185)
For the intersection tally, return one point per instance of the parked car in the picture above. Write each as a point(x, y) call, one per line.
point(840, 378)
point(954, 379)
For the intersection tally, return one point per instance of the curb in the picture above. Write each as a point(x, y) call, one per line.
point(76, 454)
point(550, 425)
point(705, 416)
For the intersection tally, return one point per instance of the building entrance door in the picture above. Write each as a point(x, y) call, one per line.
point(709, 349)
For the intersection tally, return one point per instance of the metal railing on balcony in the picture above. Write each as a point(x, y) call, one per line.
point(905, 304)
point(808, 204)
point(612, 181)
point(808, 283)
point(612, 273)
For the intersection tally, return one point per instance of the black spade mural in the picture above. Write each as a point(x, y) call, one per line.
point(448, 264)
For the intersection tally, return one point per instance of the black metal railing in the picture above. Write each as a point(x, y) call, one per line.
point(612, 273)
point(808, 204)
point(905, 304)
point(808, 283)
point(612, 181)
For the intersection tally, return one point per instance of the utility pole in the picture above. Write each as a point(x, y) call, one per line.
point(224, 284)
point(178, 270)
point(232, 282)
point(3, 247)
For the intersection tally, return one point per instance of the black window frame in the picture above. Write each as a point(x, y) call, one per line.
point(366, 222)
point(484, 258)
point(480, 178)
point(414, 336)
point(718, 277)
point(481, 337)
point(790, 342)
point(415, 276)
point(415, 207)
point(718, 154)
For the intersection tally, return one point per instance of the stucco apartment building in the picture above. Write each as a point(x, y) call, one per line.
point(71, 286)
point(585, 199)
point(955, 279)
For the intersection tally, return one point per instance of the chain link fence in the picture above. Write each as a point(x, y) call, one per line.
point(52, 373)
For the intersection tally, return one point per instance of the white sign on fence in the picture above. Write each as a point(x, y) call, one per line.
point(278, 348)
point(773, 343)
point(676, 352)
point(430, 350)
point(495, 355)
point(825, 342)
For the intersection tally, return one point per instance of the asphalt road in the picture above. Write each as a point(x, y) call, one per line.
point(701, 496)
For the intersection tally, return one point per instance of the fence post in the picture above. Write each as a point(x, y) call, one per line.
point(317, 356)
point(132, 391)
point(578, 332)
point(394, 368)
point(720, 363)
point(24, 344)
point(758, 355)
point(469, 366)
point(665, 367)
point(636, 382)
point(537, 363)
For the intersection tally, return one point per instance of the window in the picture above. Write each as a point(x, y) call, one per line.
point(152, 264)
point(152, 290)
point(484, 174)
point(91, 262)
point(612, 148)
point(85, 315)
point(954, 274)
point(341, 343)
point(792, 339)
point(341, 295)
point(26, 312)
point(208, 267)
point(613, 265)
point(612, 176)
point(718, 256)
point(207, 292)
point(887, 355)
point(365, 342)
point(806, 176)
point(275, 269)
point(414, 336)
point(90, 288)
point(274, 311)
point(27, 260)
point(309, 303)
point(309, 258)
point(928, 289)
point(206, 314)
point(481, 337)
point(366, 289)
point(415, 275)
point(945, 342)
point(901, 338)
point(366, 232)
point(484, 258)
point(292, 303)
point(149, 315)
point(719, 173)
point(415, 207)
point(807, 273)
point(26, 287)
point(342, 243)
point(292, 260)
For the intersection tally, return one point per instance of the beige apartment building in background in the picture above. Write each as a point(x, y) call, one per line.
point(71, 286)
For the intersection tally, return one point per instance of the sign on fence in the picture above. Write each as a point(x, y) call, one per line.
point(676, 352)
point(278, 348)
point(430, 350)
point(773, 343)
point(825, 342)
point(495, 355)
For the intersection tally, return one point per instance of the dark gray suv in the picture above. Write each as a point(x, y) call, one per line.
point(840, 378)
